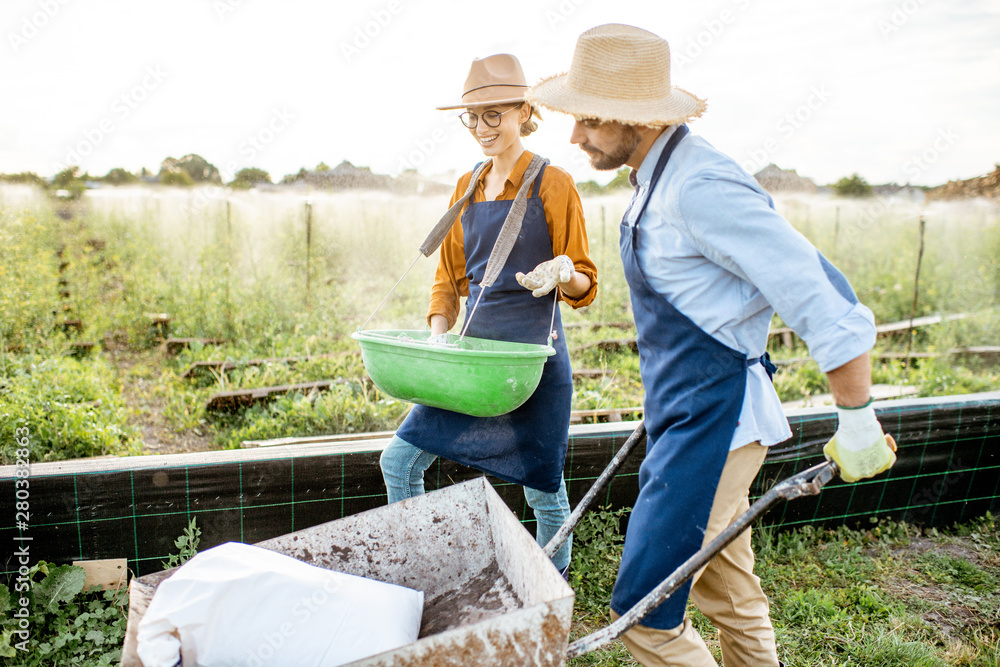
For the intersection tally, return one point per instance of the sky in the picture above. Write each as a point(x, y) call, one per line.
point(894, 90)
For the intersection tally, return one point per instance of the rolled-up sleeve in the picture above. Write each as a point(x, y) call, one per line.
point(734, 225)
point(567, 228)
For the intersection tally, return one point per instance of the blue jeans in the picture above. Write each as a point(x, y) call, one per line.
point(403, 467)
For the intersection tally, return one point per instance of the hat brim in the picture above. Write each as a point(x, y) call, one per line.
point(555, 93)
point(484, 103)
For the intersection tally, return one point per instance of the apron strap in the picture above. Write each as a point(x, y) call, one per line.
point(436, 237)
point(765, 361)
point(512, 224)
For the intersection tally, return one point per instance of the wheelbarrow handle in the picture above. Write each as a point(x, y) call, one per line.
point(554, 544)
point(806, 483)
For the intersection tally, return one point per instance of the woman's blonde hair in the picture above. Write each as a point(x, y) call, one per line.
point(529, 126)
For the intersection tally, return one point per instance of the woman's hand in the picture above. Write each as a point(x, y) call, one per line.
point(547, 276)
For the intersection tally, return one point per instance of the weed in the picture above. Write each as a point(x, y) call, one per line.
point(67, 625)
point(186, 544)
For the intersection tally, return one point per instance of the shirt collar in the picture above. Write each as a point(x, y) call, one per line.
point(516, 174)
point(645, 172)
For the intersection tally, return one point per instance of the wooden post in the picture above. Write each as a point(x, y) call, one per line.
point(916, 287)
point(229, 265)
point(309, 227)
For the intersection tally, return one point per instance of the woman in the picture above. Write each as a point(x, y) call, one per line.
point(528, 445)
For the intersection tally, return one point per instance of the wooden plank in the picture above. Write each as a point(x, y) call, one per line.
point(228, 401)
point(985, 352)
point(896, 327)
point(224, 366)
point(175, 345)
point(879, 392)
point(590, 373)
point(81, 348)
point(594, 326)
point(611, 345)
point(319, 439)
point(159, 324)
point(600, 415)
point(109, 574)
point(74, 325)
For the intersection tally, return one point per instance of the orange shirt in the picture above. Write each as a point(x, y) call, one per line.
point(563, 213)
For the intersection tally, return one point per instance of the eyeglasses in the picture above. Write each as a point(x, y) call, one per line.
point(491, 118)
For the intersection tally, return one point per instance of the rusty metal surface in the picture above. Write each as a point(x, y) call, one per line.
point(491, 596)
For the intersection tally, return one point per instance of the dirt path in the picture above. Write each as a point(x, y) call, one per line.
point(136, 371)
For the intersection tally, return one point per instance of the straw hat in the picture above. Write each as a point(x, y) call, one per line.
point(619, 73)
point(492, 80)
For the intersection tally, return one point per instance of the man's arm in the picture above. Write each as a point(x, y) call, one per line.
point(859, 446)
point(851, 383)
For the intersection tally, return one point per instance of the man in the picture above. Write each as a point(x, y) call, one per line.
point(708, 262)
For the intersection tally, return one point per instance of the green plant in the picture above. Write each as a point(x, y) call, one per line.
point(597, 551)
point(119, 176)
point(249, 177)
point(181, 178)
point(72, 408)
point(853, 186)
point(186, 545)
point(65, 624)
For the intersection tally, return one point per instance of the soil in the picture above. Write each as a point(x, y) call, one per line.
point(485, 595)
point(145, 407)
point(947, 615)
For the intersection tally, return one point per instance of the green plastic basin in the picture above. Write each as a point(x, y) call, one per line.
point(482, 378)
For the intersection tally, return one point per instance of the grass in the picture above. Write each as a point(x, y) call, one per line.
point(888, 595)
point(250, 277)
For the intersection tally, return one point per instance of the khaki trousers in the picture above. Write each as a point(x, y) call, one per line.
point(726, 590)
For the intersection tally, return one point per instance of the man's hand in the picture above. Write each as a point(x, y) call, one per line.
point(547, 275)
point(859, 446)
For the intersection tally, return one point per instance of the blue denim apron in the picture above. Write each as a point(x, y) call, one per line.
point(526, 446)
point(694, 393)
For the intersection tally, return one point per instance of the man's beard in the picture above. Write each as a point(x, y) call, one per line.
point(628, 141)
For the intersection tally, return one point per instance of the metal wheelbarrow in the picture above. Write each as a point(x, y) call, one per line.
point(492, 596)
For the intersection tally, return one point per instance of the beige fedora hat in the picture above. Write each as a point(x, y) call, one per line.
point(619, 73)
point(495, 79)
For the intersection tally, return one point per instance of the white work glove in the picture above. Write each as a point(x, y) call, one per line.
point(859, 446)
point(438, 339)
point(547, 275)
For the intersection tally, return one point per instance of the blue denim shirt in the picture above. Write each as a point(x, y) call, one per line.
point(712, 244)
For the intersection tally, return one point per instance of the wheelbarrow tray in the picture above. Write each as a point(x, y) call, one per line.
point(491, 596)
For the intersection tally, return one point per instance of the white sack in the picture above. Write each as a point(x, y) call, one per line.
point(237, 604)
